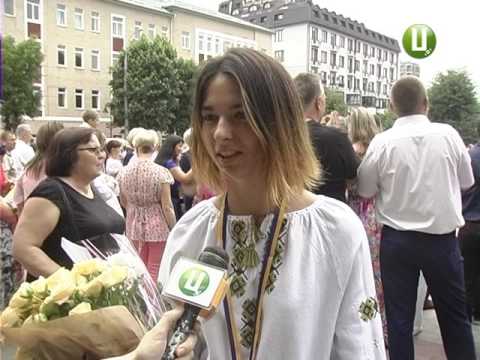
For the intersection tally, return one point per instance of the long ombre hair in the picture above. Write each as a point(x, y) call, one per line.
point(274, 112)
point(362, 126)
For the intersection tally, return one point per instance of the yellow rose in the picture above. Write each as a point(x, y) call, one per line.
point(9, 318)
point(61, 285)
point(39, 286)
point(81, 308)
point(88, 267)
point(113, 276)
point(92, 289)
point(22, 297)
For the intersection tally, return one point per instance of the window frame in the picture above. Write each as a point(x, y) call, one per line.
point(81, 52)
point(65, 98)
point(97, 18)
point(75, 14)
point(33, 4)
point(98, 99)
point(64, 48)
point(92, 52)
point(64, 15)
point(83, 99)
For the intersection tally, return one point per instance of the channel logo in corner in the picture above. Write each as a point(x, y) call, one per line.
point(419, 41)
point(194, 282)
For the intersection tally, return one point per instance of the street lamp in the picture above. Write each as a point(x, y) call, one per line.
point(125, 101)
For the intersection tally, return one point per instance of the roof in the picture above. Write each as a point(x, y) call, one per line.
point(306, 12)
point(209, 13)
point(147, 4)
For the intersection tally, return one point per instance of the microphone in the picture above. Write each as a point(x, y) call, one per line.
point(193, 281)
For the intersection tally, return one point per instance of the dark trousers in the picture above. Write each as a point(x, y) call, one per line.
point(469, 237)
point(402, 255)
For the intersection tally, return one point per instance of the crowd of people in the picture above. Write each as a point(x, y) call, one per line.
point(328, 220)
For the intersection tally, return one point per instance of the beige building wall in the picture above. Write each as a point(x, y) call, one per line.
point(87, 78)
point(186, 22)
point(15, 25)
point(171, 22)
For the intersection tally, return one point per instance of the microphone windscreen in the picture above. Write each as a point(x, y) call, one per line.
point(215, 256)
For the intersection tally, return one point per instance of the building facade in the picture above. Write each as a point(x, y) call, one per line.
point(81, 40)
point(409, 68)
point(360, 63)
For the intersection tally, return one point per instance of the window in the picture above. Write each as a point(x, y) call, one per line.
point(357, 65)
point(95, 60)
point(96, 99)
point(349, 82)
point(79, 57)
point(365, 84)
point(78, 99)
point(278, 35)
point(333, 58)
point(152, 31)
point(263, 19)
point(201, 58)
point(226, 45)
point(333, 40)
point(62, 98)
point(138, 30)
point(323, 76)
point(365, 50)
point(314, 54)
point(324, 36)
point(9, 7)
point(357, 46)
point(278, 17)
point(314, 34)
point(33, 10)
point(117, 26)
point(372, 69)
point(209, 44)
point(391, 58)
point(385, 55)
point(385, 89)
point(357, 84)
point(323, 58)
point(217, 46)
point(385, 73)
point(78, 17)
point(342, 42)
point(115, 57)
point(333, 77)
point(95, 21)
point(279, 55)
point(379, 52)
point(392, 74)
point(350, 64)
point(350, 44)
point(61, 15)
point(341, 81)
point(164, 31)
point(185, 40)
point(372, 51)
point(61, 55)
point(200, 42)
point(341, 61)
point(253, 8)
point(379, 71)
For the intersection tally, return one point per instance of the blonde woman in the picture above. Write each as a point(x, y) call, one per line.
point(299, 263)
point(362, 127)
point(145, 193)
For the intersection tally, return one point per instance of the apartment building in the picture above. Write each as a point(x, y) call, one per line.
point(352, 59)
point(82, 39)
point(409, 68)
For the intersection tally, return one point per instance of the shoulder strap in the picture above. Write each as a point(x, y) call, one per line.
point(68, 206)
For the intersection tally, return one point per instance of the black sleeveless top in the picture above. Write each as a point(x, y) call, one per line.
point(80, 218)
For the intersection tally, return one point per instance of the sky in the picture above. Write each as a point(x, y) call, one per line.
point(454, 23)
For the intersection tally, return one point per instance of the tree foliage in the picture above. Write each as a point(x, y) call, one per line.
point(158, 86)
point(335, 102)
point(386, 119)
point(453, 101)
point(21, 68)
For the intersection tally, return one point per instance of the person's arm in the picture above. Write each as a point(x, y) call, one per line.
point(7, 214)
point(367, 174)
point(354, 337)
point(167, 206)
point(464, 168)
point(39, 218)
point(154, 342)
point(179, 175)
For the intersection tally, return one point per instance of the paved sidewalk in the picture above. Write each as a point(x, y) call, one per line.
point(428, 344)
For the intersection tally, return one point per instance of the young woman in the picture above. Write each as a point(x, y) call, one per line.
point(169, 157)
point(301, 277)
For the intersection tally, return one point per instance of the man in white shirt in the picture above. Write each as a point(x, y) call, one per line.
point(11, 167)
point(23, 151)
point(416, 171)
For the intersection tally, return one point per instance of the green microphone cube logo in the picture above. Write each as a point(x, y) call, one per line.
point(193, 282)
point(419, 41)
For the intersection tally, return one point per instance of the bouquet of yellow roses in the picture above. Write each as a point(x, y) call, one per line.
point(95, 310)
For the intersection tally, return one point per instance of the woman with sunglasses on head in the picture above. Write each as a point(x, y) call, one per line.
point(301, 280)
point(65, 205)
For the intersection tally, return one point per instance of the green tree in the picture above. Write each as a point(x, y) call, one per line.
point(21, 68)
point(156, 86)
point(386, 119)
point(187, 71)
point(335, 101)
point(453, 101)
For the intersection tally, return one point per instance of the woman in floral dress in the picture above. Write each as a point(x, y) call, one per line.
point(362, 127)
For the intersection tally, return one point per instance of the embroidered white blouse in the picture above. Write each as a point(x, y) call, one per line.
point(323, 274)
